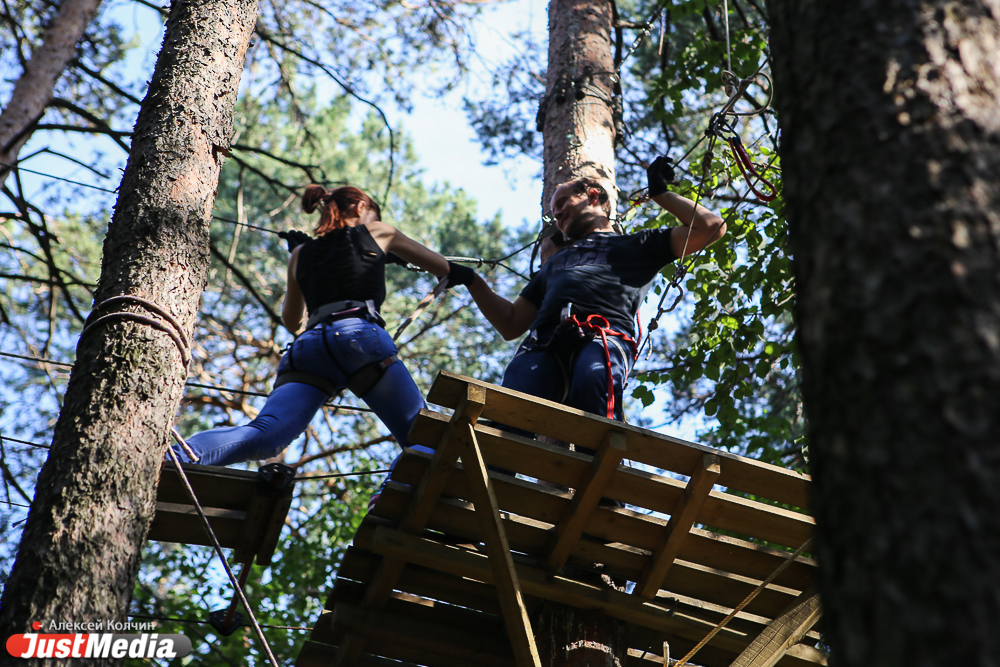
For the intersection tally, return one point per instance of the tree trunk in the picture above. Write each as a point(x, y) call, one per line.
point(579, 130)
point(568, 637)
point(891, 163)
point(33, 91)
point(94, 500)
point(577, 120)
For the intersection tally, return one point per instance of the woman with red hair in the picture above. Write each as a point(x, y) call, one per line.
point(337, 278)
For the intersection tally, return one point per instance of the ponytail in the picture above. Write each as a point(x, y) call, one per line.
point(335, 204)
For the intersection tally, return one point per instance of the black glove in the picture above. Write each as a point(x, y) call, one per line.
point(295, 238)
point(658, 174)
point(460, 275)
point(392, 258)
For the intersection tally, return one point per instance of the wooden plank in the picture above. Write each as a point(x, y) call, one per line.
point(389, 654)
point(589, 491)
point(718, 552)
point(405, 603)
point(214, 486)
point(179, 522)
point(719, 587)
point(587, 430)
point(681, 521)
point(275, 522)
point(475, 631)
point(428, 491)
point(548, 505)
point(265, 518)
point(783, 633)
point(522, 639)
point(178, 509)
point(360, 565)
point(723, 511)
point(543, 584)
point(431, 636)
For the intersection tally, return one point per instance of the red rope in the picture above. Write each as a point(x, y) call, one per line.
point(591, 324)
point(745, 165)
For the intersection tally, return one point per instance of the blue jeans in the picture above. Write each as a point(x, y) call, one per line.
point(334, 351)
point(538, 372)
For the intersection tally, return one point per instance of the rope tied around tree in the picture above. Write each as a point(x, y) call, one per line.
point(174, 330)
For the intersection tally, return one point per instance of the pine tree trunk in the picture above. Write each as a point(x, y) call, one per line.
point(891, 163)
point(568, 637)
point(94, 499)
point(33, 91)
point(579, 133)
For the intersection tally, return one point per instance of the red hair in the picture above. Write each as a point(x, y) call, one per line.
point(337, 204)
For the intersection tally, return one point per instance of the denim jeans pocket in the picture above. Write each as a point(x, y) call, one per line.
point(359, 345)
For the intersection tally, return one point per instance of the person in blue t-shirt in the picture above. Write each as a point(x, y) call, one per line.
point(579, 309)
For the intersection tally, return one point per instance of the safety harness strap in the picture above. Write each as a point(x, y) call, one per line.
point(600, 324)
point(341, 309)
point(360, 383)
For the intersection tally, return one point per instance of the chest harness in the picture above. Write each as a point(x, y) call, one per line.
point(575, 329)
point(361, 382)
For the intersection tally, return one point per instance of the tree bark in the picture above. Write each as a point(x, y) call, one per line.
point(891, 161)
point(577, 121)
point(34, 90)
point(95, 496)
point(570, 637)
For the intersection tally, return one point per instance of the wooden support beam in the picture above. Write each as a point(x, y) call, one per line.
point(449, 644)
point(681, 521)
point(504, 576)
point(782, 633)
point(587, 430)
point(541, 583)
point(426, 496)
point(723, 511)
point(588, 493)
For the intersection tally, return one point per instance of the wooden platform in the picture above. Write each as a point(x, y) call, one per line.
point(245, 512)
point(452, 560)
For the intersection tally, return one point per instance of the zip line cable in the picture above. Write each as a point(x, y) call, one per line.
point(198, 385)
point(463, 260)
point(4, 438)
point(336, 475)
point(58, 178)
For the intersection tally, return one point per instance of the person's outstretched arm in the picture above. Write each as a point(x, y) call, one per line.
point(699, 226)
point(293, 309)
point(392, 240)
point(509, 319)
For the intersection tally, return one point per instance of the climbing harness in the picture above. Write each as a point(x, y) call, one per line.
point(593, 325)
point(359, 382)
point(339, 310)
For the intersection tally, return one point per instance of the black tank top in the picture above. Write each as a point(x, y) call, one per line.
point(345, 264)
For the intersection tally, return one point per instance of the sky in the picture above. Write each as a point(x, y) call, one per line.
point(446, 143)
